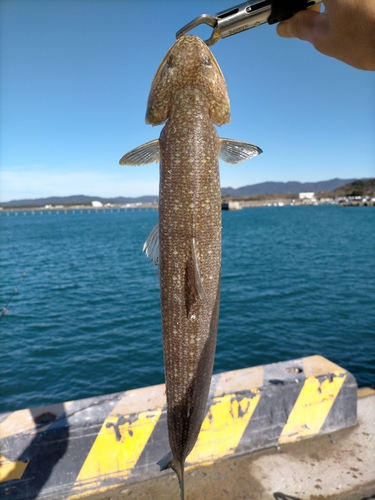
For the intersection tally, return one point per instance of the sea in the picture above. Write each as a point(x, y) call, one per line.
point(82, 302)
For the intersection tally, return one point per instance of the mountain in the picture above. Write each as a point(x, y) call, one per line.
point(79, 199)
point(292, 187)
point(264, 188)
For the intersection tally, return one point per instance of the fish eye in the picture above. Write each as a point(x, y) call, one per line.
point(170, 61)
point(206, 61)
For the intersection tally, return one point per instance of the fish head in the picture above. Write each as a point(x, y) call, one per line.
point(189, 63)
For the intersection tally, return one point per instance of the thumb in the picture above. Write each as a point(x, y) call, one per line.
point(305, 25)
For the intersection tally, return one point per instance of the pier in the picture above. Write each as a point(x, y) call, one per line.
point(40, 211)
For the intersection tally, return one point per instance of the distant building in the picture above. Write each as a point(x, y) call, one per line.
point(96, 204)
point(306, 196)
point(231, 205)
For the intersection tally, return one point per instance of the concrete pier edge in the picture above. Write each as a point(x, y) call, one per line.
point(83, 448)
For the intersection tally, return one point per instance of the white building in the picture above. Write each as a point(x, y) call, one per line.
point(306, 196)
point(96, 204)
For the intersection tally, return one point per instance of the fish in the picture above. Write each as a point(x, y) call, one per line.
point(188, 94)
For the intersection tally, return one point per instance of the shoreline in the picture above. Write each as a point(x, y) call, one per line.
point(231, 204)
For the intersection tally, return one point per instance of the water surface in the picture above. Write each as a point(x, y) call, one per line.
point(296, 281)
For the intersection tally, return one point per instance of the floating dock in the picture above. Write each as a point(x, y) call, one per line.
point(294, 428)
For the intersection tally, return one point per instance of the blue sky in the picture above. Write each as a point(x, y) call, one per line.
point(75, 77)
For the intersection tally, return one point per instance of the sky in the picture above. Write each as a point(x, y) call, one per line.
point(75, 77)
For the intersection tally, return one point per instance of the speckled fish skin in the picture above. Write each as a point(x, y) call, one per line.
point(190, 91)
point(189, 94)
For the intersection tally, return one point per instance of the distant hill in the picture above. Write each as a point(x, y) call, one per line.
point(264, 188)
point(79, 199)
point(362, 187)
point(291, 188)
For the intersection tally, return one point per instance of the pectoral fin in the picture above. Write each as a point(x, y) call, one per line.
point(193, 282)
point(142, 155)
point(234, 152)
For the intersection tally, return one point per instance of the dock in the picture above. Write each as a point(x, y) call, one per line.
point(73, 210)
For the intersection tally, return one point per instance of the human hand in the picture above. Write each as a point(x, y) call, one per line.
point(345, 30)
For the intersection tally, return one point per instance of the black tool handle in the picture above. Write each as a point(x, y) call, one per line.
point(284, 9)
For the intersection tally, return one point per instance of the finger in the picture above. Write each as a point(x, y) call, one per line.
point(283, 29)
point(301, 25)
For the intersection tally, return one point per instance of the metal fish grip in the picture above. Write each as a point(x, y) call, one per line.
point(245, 16)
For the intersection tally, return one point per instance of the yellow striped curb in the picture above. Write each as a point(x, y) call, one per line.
point(68, 450)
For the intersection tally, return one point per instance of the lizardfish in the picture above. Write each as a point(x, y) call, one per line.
point(189, 93)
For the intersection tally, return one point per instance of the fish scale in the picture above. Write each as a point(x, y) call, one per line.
point(189, 94)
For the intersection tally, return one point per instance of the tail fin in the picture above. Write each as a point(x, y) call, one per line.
point(178, 467)
point(168, 462)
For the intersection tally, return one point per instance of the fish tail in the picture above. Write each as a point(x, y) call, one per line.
point(178, 467)
point(168, 462)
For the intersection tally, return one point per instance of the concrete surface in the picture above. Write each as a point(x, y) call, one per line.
point(337, 466)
